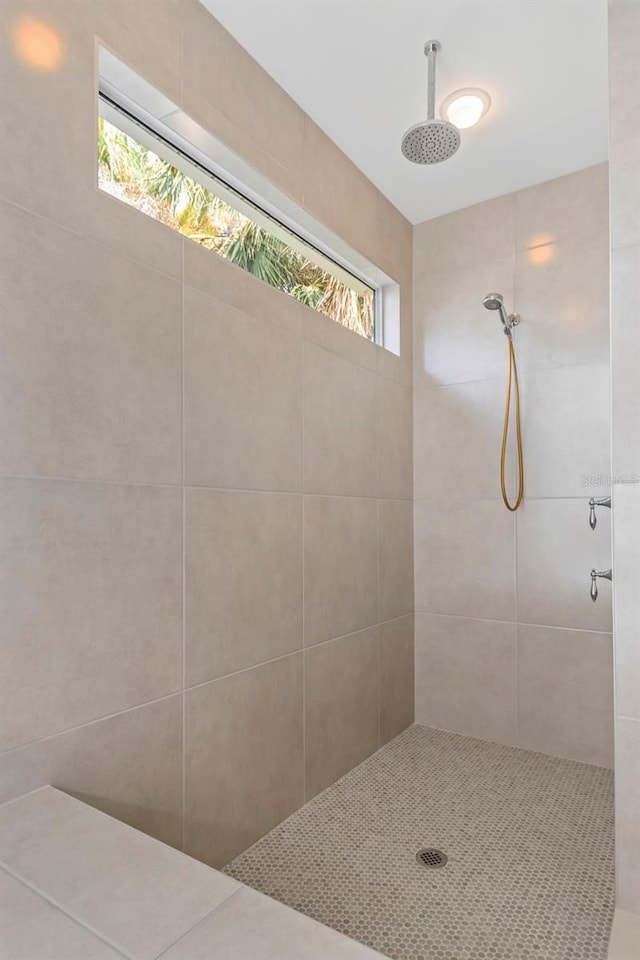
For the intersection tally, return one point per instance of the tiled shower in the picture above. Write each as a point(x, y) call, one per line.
point(244, 549)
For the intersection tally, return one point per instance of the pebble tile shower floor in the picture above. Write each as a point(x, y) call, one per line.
point(529, 840)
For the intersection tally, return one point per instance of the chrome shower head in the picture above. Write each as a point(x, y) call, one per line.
point(495, 301)
point(431, 140)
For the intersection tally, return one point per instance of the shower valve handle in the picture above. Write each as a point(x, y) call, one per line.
point(597, 502)
point(605, 574)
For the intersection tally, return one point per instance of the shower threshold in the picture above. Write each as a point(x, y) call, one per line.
point(528, 840)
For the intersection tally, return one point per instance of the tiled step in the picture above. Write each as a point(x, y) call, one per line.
point(79, 884)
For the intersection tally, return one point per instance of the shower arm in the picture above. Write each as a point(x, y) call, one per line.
point(430, 49)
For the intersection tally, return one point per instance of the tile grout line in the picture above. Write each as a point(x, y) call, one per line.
point(223, 903)
point(43, 895)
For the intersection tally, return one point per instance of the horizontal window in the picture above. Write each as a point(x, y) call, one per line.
point(200, 206)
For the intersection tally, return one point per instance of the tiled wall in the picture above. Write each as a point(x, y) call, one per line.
point(624, 92)
point(208, 520)
point(509, 646)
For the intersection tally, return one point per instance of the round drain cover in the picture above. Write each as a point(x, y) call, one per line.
point(430, 857)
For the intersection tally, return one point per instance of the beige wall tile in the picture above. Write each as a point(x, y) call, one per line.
point(91, 378)
point(396, 677)
point(220, 77)
point(325, 332)
point(394, 238)
point(243, 402)
point(336, 192)
point(625, 935)
point(93, 615)
point(340, 545)
point(395, 558)
point(138, 894)
point(624, 84)
point(339, 426)
point(394, 437)
point(219, 278)
point(129, 766)
point(33, 927)
point(456, 339)
point(577, 204)
point(49, 113)
point(464, 558)
point(565, 693)
point(341, 707)
point(627, 766)
point(564, 303)
point(625, 360)
point(458, 432)
point(565, 425)
point(626, 597)
point(243, 580)
point(483, 233)
point(466, 676)
point(556, 552)
point(244, 758)
point(252, 925)
point(625, 204)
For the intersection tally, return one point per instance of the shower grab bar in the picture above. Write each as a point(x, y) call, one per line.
point(605, 574)
point(597, 502)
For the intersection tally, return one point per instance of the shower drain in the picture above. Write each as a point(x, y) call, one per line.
point(430, 857)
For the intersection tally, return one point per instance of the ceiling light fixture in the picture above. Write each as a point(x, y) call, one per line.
point(464, 108)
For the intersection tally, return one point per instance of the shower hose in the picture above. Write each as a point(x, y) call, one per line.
point(512, 379)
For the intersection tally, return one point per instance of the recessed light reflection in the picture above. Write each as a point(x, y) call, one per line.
point(37, 44)
point(541, 249)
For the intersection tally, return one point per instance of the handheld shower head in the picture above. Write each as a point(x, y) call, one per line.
point(494, 301)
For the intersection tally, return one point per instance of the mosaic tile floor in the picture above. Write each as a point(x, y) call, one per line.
point(529, 840)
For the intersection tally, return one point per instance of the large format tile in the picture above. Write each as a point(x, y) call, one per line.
point(466, 676)
point(482, 233)
point(129, 766)
point(556, 551)
point(340, 544)
point(93, 609)
point(395, 558)
point(243, 580)
point(458, 432)
point(393, 417)
point(341, 707)
point(243, 399)
point(396, 677)
point(626, 564)
point(565, 426)
point(339, 426)
point(252, 925)
point(576, 204)
point(243, 757)
point(91, 378)
point(564, 303)
point(464, 558)
point(234, 95)
point(456, 339)
point(565, 693)
point(33, 929)
point(625, 360)
point(49, 112)
point(625, 936)
point(627, 817)
point(139, 894)
point(212, 274)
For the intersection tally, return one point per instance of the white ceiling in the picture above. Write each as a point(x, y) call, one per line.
point(357, 68)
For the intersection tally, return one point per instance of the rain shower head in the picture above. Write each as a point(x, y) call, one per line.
point(431, 140)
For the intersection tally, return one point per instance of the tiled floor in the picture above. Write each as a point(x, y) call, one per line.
point(529, 840)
